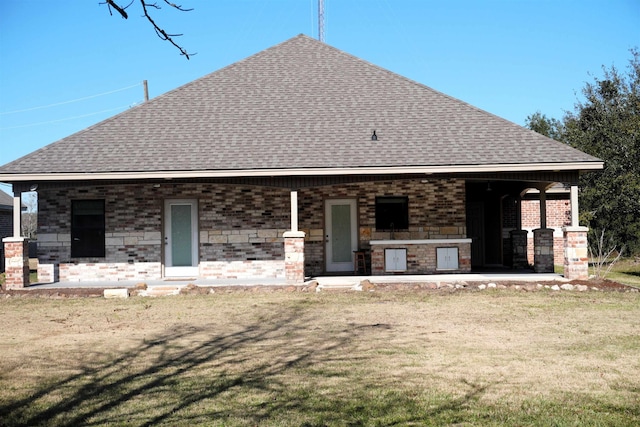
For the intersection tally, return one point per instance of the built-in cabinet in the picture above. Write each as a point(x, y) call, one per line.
point(447, 258)
point(426, 256)
point(395, 260)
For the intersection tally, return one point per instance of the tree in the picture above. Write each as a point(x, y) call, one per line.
point(30, 216)
point(122, 11)
point(540, 123)
point(607, 125)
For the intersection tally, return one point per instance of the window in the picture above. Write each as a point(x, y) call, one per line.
point(87, 228)
point(392, 213)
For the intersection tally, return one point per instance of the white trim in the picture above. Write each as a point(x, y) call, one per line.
point(419, 242)
point(575, 212)
point(297, 234)
point(17, 215)
point(574, 229)
point(294, 210)
point(370, 170)
point(12, 239)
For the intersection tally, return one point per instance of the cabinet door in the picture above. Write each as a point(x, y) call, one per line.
point(395, 260)
point(447, 258)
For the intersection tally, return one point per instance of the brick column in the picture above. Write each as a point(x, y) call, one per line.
point(543, 250)
point(519, 248)
point(377, 260)
point(16, 252)
point(576, 253)
point(294, 256)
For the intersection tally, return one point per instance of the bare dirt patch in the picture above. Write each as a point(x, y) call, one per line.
point(80, 292)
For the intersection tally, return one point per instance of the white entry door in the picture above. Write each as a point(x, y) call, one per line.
point(181, 238)
point(341, 228)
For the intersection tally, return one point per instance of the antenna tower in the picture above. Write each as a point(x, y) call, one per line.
point(321, 20)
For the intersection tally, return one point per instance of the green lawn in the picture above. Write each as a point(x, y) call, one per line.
point(626, 271)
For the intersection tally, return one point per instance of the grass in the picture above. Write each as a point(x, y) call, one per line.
point(626, 271)
point(345, 359)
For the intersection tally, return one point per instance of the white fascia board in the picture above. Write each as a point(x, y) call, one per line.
point(255, 173)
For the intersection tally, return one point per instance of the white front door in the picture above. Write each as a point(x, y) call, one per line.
point(181, 238)
point(341, 228)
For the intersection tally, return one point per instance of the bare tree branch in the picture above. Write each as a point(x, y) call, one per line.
point(121, 10)
point(179, 7)
point(160, 32)
point(602, 256)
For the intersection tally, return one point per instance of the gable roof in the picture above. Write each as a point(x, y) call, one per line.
point(298, 107)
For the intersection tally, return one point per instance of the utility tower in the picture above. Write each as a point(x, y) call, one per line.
point(321, 20)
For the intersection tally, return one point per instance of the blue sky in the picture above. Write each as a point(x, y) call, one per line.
point(509, 57)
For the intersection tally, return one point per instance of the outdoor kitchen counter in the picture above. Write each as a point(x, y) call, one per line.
point(421, 256)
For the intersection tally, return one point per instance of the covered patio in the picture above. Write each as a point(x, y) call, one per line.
point(346, 282)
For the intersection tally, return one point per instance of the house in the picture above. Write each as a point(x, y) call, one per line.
point(6, 221)
point(284, 165)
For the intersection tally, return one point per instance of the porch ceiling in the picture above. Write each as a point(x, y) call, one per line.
point(297, 182)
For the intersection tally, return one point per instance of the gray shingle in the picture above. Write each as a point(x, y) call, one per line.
point(299, 104)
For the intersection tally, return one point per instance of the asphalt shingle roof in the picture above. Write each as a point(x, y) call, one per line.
point(6, 201)
point(299, 104)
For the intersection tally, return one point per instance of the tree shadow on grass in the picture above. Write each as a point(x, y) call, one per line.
point(274, 368)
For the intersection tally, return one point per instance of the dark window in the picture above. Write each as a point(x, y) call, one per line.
point(87, 228)
point(392, 213)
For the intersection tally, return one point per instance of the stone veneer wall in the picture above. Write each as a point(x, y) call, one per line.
point(240, 231)
point(240, 227)
point(436, 211)
point(576, 261)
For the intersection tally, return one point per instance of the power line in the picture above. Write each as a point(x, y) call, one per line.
point(68, 102)
point(65, 119)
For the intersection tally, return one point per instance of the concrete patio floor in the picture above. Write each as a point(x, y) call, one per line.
point(323, 281)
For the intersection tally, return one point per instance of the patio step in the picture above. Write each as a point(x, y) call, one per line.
point(160, 291)
point(339, 286)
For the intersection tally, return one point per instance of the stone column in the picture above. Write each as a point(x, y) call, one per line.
point(16, 251)
point(576, 253)
point(543, 250)
point(519, 248)
point(294, 256)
